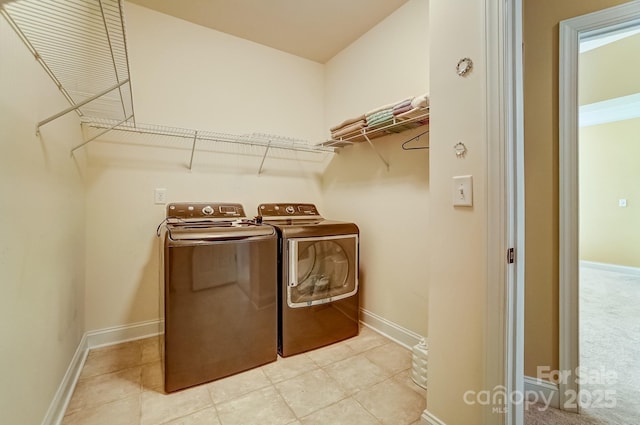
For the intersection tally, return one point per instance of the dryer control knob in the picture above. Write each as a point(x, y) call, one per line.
point(208, 210)
point(290, 209)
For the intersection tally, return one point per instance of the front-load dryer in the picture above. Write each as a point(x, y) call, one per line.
point(318, 291)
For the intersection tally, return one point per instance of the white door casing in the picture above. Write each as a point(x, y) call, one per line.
point(572, 31)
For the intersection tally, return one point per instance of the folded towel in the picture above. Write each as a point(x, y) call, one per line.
point(347, 122)
point(383, 113)
point(380, 119)
point(398, 111)
point(421, 101)
point(388, 114)
point(380, 108)
point(351, 128)
point(402, 104)
point(411, 113)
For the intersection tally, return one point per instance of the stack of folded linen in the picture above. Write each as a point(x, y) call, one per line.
point(379, 116)
point(404, 110)
point(402, 106)
point(416, 106)
point(346, 127)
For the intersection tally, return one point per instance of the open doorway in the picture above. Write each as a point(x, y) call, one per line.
point(609, 233)
point(597, 332)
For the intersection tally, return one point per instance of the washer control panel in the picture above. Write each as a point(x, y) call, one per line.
point(215, 210)
point(287, 210)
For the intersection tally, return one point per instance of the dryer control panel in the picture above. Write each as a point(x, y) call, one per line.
point(288, 210)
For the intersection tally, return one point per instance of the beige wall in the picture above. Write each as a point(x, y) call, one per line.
point(189, 76)
point(42, 227)
point(610, 71)
point(457, 278)
point(246, 86)
point(608, 158)
point(541, 24)
point(358, 187)
point(608, 172)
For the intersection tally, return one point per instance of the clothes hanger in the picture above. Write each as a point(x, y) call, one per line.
point(404, 145)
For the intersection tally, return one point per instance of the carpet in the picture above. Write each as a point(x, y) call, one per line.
point(609, 353)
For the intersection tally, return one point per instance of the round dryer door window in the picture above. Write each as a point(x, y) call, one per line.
point(323, 270)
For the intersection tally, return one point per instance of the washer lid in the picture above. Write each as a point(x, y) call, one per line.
point(216, 230)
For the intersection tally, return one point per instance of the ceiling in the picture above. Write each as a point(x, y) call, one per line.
point(312, 29)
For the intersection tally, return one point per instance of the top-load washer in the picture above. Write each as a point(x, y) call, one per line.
point(318, 291)
point(220, 285)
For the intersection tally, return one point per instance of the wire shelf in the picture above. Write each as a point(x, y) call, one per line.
point(82, 46)
point(259, 144)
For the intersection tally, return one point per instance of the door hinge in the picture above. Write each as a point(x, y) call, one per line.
point(511, 256)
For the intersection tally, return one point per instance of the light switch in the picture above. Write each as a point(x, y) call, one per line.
point(622, 203)
point(160, 196)
point(462, 191)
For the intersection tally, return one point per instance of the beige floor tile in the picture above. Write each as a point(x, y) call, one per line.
point(101, 389)
point(392, 403)
point(158, 408)
point(120, 412)
point(261, 407)
point(391, 357)
point(208, 416)
point(288, 367)
point(331, 354)
point(367, 340)
point(152, 378)
point(404, 378)
point(356, 373)
point(310, 392)
point(345, 412)
point(150, 350)
point(234, 386)
point(112, 359)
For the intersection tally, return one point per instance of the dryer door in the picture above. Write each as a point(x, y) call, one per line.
point(321, 269)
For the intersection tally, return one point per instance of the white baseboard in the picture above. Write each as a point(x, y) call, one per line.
point(395, 332)
point(90, 340)
point(119, 334)
point(546, 389)
point(635, 271)
point(61, 399)
point(429, 419)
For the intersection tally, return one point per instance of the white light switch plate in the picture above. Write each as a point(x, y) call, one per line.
point(160, 196)
point(462, 191)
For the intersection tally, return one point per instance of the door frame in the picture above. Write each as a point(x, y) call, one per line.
point(572, 31)
point(505, 190)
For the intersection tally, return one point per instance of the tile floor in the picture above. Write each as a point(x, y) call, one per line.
point(363, 380)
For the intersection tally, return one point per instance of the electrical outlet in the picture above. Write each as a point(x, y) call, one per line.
point(160, 196)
